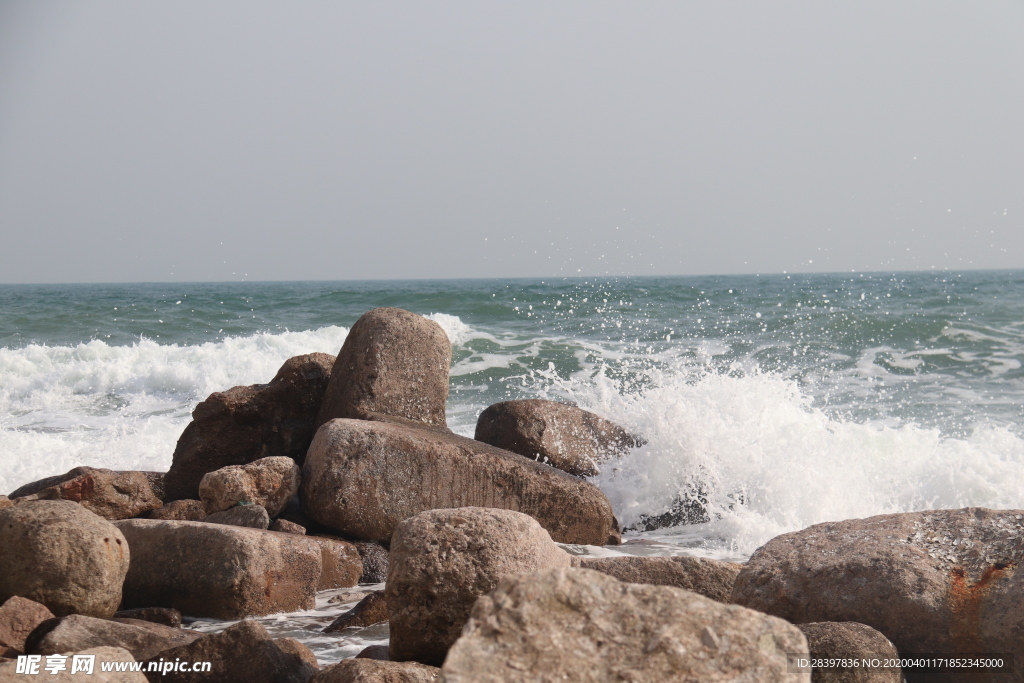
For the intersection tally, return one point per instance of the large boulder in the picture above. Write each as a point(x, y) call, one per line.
point(269, 482)
point(251, 516)
point(77, 632)
point(710, 578)
point(342, 565)
point(109, 494)
point(63, 556)
point(364, 670)
point(937, 582)
point(219, 571)
point(443, 560)
point(559, 434)
point(114, 656)
point(363, 478)
point(393, 364)
point(580, 625)
point(243, 424)
point(241, 652)
point(19, 617)
point(853, 642)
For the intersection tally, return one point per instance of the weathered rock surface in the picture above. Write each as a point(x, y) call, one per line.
point(242, 652)
point(363, 478)
point(849, 640)
point(710, 578)
point(365, 670)
point(393, 364)
point(5, 502)
point(375, 562)
point(443, 560)
point(580, 625)
point(341, 563)
point(378, 652)
point(77, 632)
point(373, 609)
point(102, 655)
point(219, 571)
point(286, 527)
point(63, 556)
point(558, 434)
point(19, 617)
point(940, 581)
point(269, 482)
point(157, 615)
point(180, 510)
point(109, 494)
point(251, 516)
point(243, 424)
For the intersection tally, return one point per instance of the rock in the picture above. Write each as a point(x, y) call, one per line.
point(375, 562)
point(373, 609)
point(286, 527)
point(363, 478)
point(77, 632)
point(341, 563)
point(378, 652)
point(5, 502)
point(940, 581)
point(156, 484)
point(241, 652)
point(443, 560)
point(581, 625)
point(849, 640)
point(157, 615)
point(19, 617)
point(63, 556)
point(558, 434)
point(393, 364)
point(364, 670)
point(109, 494)
point(243, 424)
point(269, 482)
point(101, 656)
point(219, 571)
point(710, 578)
point(252, 516)
point(181, 510)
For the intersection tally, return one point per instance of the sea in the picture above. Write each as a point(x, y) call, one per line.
point(778, 401)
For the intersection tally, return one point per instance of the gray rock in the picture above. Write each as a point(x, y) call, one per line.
point(102, 655)
point(371, 610)
point(19, 617)
point(269, 482)
point(365, 670)
point(378, 652)
point(443, 560)
point(63, 556)
point(77, 632)
point(852, 641)
point(109, 494)
point(180, 510)
point(252, 516)
point(580, 625)
point(710, 578)
point(375, 562)
point(157, 615)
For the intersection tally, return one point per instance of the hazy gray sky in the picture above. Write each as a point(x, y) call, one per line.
point(322, 140)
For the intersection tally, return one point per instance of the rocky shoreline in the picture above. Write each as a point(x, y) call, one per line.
point(342, 471)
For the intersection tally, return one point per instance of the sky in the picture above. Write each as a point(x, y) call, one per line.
point(198, 141)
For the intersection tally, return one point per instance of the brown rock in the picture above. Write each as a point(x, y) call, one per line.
point(19, 617)
point(558, 434)
point(180, 510)
point(295, 647)
point(581, 625)
point(286, 527)
point(63, 556)
point(849, 640)
point(219, 571)
point(77, 632)
point(342, 565)
point(375, 562)
point(363, 478)
point(102, 656)
point(157, 615)
point(364, 670)
point(373, 609)
point(243, 424)
point(710, 578)
point(109, 494)
point(252, 516)
point(378, 652)
point(443, 560)
point(269, 482)
point(5, 502)
point(241, 652)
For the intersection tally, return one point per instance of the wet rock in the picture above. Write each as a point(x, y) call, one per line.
point(252, 516)
point(581, 625)
point(269, 482)
point(852, 641)
point(19, 617)
point(443, 560)
point(157, 615)
point(940, 581)
point(393, 364)
point(378, 652)
point(77, 632)
point(286, 527)
point(365, 670)
point(710, 578)
point(375, 562)
point(63, 556)
point(558, 434)
point(373, 609)
point(109, 494)
point(691, 508)
point(242, 652)
point(219, 571)
point(181, 510)
point(102, 655)
point(342, 565)
point(363, 478)
point(244, 424)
